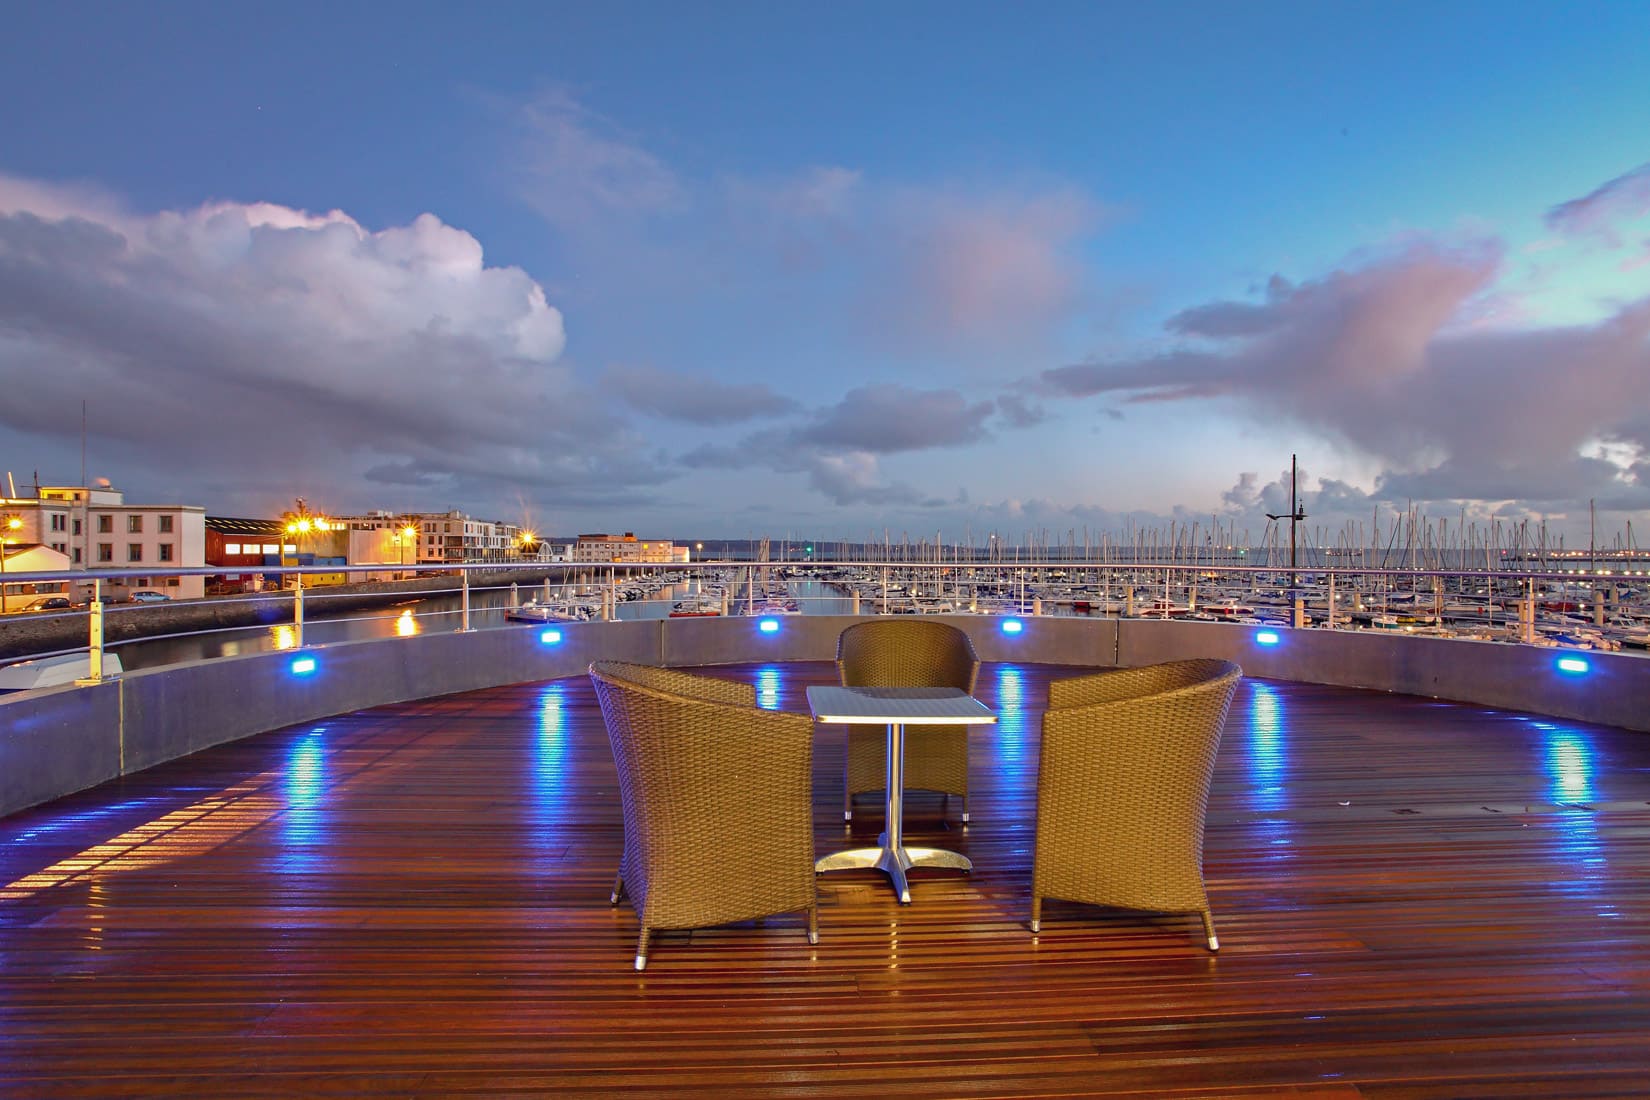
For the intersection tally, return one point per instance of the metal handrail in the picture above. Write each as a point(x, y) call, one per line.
point(1311, 585)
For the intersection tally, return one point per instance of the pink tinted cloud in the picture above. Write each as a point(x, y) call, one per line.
point(1600, 212)
point(984, 271)
point(1377, 355)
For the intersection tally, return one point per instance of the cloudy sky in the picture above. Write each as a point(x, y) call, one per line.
point(828, 270)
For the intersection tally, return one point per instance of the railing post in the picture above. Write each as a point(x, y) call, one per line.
point(1329, 617)
point(464, 602)
point(298, 610)
point(515, 595)
point(94, 639)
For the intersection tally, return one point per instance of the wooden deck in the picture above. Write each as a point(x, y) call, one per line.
point(1414, 899)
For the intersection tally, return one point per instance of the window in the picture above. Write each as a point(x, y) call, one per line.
point(105, 551)
point(134, 551)
point(77, 555)
point(134, 525)
point(269, 548)
point(58, 523)
point(61, 547)
point(77, 526)
point(105, 525)
point(231, 548)
point(165, 524)
point(164, 552)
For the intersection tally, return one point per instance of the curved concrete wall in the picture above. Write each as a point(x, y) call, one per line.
point(66, 739)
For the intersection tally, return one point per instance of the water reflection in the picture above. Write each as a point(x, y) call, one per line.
point(426, 615)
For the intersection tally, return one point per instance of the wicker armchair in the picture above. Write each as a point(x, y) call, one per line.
point(902, 652)
point(717, 796)
point(1123, 787)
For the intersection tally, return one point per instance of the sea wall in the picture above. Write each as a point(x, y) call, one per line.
point(61, 740)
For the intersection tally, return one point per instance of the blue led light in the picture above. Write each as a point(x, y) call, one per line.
point(1013, 626)
point(1573, 665)
point(768, 626)
point(551, 637)
point(1267, 637)
point(303, 666)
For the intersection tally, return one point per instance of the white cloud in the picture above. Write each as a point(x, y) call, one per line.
point(271, 348)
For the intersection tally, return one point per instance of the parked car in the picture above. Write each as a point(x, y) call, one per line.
point(48, 603)
point(147, 595)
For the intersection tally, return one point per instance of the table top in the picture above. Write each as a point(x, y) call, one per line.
point(894, 705)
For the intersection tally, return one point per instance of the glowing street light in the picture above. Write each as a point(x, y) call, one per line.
point(12, 523)
point(529, 543)
point(303, 524)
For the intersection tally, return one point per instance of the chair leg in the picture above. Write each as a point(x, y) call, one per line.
point(618, 889)
point(813, 924)
point(641, 947)
point(1036, 914)
point(847, 804)
point(1209, 930)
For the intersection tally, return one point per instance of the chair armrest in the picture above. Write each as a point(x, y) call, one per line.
point(690, 685)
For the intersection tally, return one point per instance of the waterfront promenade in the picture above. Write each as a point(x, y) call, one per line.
point(1415, 898)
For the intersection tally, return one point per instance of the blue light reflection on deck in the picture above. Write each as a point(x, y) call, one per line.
point(1266, 751)
point(1570, 773)
point(1009, 734)
point(304, 824)
point(1013, 626)
point(550, 779)
point(768, 679)
point(81, 817)
point(303, 666)
point(768, 625)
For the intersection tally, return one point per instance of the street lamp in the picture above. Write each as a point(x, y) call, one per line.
point(529, 543)
point(407, 534)
point(12, 523)
point(302, 524)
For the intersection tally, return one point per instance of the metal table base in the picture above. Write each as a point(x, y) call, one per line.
point(891, 855)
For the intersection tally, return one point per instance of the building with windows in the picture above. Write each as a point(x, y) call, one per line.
point(95, 528)
point(627, 548)
point(442, 538)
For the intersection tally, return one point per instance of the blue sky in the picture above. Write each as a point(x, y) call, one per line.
point(718, 270)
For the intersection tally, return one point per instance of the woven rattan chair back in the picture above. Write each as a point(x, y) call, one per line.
point(1123, 787)
point(907, 652)
point(717, 800)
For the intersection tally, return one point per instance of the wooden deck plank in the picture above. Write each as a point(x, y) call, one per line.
point(1415, 899)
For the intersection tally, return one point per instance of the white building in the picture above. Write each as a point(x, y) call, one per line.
point(96, 529)
point(440, 538)
point(627, 547)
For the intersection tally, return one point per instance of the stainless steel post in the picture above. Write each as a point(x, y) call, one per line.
point(298, 609)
